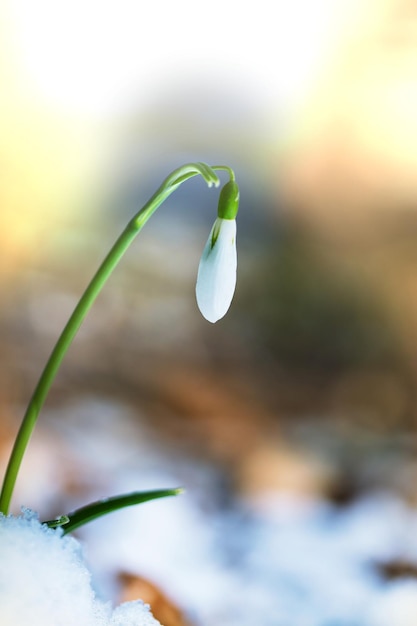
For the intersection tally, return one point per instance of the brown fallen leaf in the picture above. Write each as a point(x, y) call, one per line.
point(134, 587)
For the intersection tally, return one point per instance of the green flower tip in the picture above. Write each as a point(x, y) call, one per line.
point(229, 201)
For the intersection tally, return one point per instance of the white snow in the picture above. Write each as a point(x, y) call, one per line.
point(271, 560)
point(45, 582)
point(397, 605)
point(290, 565)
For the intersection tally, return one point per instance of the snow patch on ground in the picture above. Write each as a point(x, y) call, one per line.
point(288, 563)
point(44, 581)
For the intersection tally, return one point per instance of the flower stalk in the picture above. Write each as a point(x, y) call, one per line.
point(171, 183)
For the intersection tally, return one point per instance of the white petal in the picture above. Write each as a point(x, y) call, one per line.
point(216, 279)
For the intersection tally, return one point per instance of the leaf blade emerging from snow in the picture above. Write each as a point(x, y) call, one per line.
point(97, 509)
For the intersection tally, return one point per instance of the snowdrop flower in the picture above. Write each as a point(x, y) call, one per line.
point(216, 279)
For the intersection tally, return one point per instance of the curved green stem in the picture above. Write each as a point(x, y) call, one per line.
point(170, 184)
point(225, 168)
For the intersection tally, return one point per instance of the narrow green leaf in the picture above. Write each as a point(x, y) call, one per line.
point(59, 521)
point(101, 507)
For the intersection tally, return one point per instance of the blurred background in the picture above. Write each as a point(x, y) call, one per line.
point(301, 403)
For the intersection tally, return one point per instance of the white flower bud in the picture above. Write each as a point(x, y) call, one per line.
point(216, 279)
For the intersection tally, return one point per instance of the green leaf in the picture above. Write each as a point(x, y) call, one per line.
point(59, 521)
point(92, 511)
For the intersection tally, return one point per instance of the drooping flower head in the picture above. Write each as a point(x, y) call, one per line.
point(216, 279)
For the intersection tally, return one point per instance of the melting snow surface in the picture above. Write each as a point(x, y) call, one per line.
point(44, 581)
